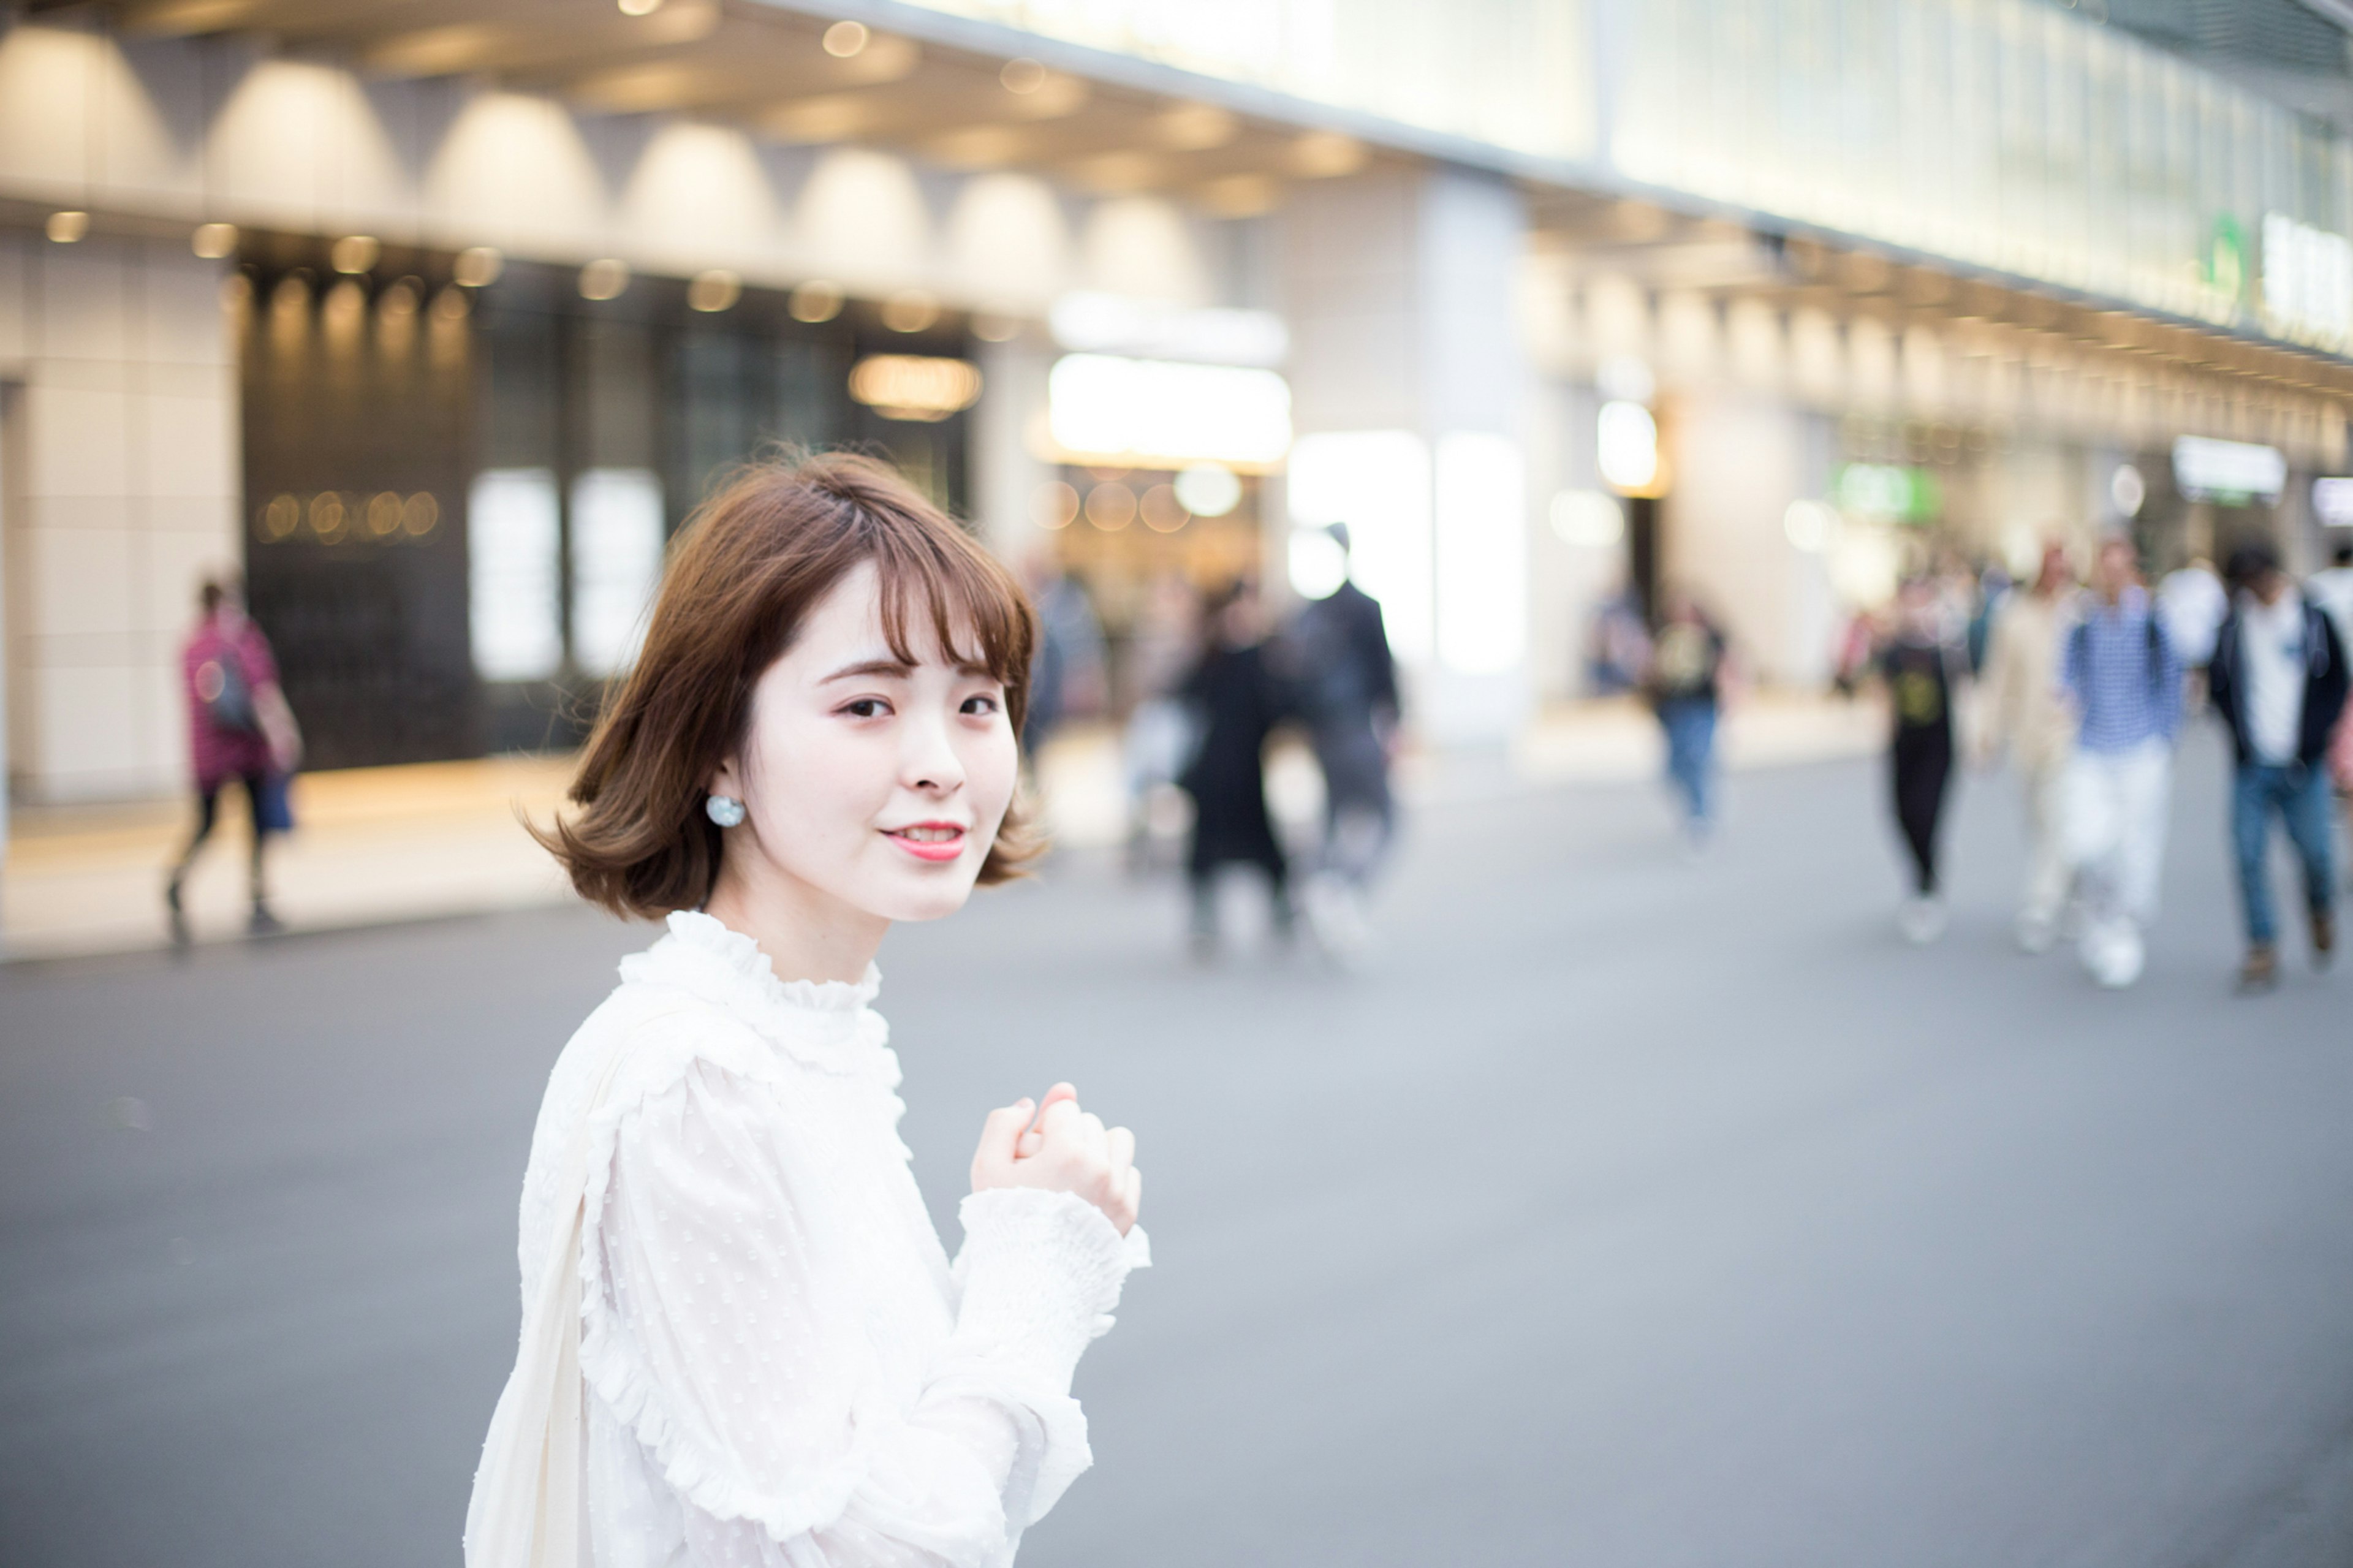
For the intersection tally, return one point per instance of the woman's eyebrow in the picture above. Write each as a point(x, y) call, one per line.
point(888, 669)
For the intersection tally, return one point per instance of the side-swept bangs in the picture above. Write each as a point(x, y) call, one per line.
point(744, 573)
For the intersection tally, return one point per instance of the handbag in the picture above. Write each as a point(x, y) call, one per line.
point(274, 808)
point(526, 1508)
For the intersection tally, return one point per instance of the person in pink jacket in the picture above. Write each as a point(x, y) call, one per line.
point(240, 730)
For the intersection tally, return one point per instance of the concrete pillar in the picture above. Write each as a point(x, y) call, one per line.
point(122, 497)
point(1411, 399)
point(1006, 473)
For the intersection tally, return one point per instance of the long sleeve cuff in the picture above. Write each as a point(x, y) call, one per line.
point(1040, 1273)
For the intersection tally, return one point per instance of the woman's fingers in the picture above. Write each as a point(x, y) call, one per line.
point(1123, 1149)
point(1033, 1137)
point(1000, 1138)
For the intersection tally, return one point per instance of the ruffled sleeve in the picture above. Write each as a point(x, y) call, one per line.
point(721, 1325)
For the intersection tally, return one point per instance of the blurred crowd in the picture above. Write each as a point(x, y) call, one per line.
point(2082, 678)
point(1210, 677)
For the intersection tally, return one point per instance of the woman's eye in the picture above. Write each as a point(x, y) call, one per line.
point(866, 708)
point(980, 706)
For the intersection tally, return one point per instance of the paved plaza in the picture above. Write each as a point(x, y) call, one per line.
point(1623, 1211)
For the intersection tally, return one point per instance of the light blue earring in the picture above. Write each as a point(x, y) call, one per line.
point(724, 810)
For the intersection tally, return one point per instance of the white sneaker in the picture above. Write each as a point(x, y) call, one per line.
point(2114, 953)
point(1921, 919)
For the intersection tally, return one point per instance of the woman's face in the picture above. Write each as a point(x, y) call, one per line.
point(869, 782)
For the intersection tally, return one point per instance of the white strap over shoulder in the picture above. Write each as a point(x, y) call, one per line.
point(525, 1511)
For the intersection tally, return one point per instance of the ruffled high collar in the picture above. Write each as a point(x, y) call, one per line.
point(825, 1024)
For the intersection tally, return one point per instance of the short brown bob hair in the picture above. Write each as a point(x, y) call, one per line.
point(744, 573)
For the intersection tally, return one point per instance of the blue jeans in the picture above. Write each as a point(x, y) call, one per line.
point(2300, 795)
point(1689, 723)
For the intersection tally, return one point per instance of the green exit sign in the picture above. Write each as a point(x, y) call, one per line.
point(1888, 490)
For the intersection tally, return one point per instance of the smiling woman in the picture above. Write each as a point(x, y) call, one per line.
point(742, 1341)
point(745, 577)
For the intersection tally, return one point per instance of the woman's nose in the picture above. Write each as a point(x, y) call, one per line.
point(931, 759)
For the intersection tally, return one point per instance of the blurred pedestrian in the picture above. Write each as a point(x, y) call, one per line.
point(1685, 683)
point(2333, 589)
point(1620, 644)
point(742, 1341)
point(2191, 602)
point(1158, 736)
point(2123, 680)
point(2022, 712)
point(1993, 590)
point(1237, 701)
point(1068, 682)
point(240, 730)
point(1345, 678)
point(1926, 665)
point(1852, 654)
point(2279, 682)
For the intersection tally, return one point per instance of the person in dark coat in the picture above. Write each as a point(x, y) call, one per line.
point(1345, 678)
point(1237, 701)
point(2278, 680)
point(1925, 666)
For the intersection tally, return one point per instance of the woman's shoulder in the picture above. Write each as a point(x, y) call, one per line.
point(653, 1035)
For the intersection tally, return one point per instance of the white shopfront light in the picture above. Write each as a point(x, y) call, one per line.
point(1626, 446)
point(1809, 525)
point(2128, 489)
point(1318, 563)
point(617, 562)
point(1482, 556)
point(2332, 502)
point(2208, 469)
point(1588, 520)
point(1208, 490)
point(512, 535)
point(1377, 483)
point(1112, 407)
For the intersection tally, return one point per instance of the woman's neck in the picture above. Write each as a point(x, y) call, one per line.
point(806, 934)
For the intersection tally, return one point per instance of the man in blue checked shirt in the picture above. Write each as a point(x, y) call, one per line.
point(2121, 675)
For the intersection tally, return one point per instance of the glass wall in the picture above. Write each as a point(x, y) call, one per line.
point(2005, 133)
point(459, 497)
point(607, 421)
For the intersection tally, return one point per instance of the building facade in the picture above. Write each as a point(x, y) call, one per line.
point(432, 325)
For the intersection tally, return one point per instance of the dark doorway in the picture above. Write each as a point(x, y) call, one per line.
point(1642, 552)
point(358, 424)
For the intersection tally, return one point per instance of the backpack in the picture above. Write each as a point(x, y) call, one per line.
point(227, 696)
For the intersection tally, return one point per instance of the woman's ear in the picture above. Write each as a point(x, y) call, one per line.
point(727, 779)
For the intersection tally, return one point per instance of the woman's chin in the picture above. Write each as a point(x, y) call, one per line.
point(925, 896)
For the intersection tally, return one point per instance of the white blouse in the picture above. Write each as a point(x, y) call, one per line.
point(782, 1367)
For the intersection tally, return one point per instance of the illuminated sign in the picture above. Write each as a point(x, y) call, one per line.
point(2332, 502)
point(1887, 490)
point(2235, 472)
point(914, 387)
point(1111, 407)
point(2308, 281)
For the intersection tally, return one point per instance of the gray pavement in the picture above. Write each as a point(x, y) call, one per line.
point(1625, 1212)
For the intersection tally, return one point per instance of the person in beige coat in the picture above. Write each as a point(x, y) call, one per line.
point(2022, 712)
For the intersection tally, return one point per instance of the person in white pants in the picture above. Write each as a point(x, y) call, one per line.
point(2123, 679)
point(2026, 713)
